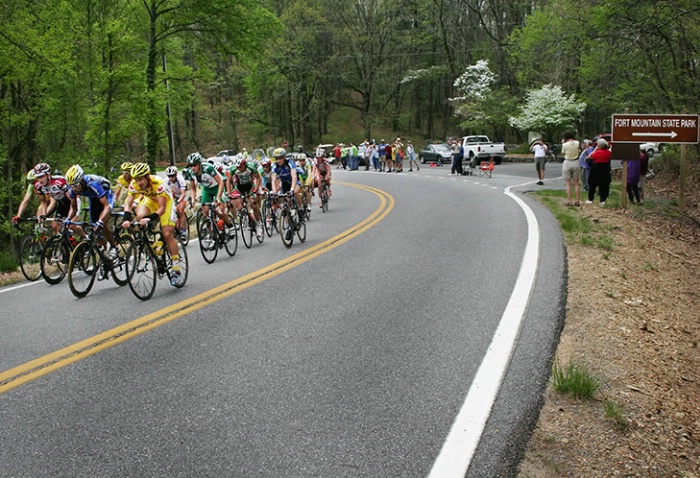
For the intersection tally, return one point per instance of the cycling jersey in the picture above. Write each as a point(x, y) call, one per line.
point(177, 187)
point(207, 177)
point(304, 173)
point(284, 172)
point(96, 187)
point(122, 182)
point(245, 177)
point(155, 190)
point(55, 188)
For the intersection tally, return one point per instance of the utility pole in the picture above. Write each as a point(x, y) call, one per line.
point(171, 139)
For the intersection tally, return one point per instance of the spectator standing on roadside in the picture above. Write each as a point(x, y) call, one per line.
point(362, 152)
point(455, 156)
point(398, 155)
point(381, 149)
point(344, 155)
point(411, 152)
point(570, 169)
point(374, 155)
point(337, 154)
point(583, 163)
point(540, 150)
point(389, 158)
point(633, 174)
point(600, 172)
point(643, 170)
point(354, 157)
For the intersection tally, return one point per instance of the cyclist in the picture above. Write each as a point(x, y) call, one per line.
point(53, 193)
point(284, 174)
point(101, 199)
point(177, 186)
point(265, 171)
point(213, 186)
point(156, 205)
point(306, 178)
point(322, 172)
point(123, 182)
point(243, 179)
point(31, 191)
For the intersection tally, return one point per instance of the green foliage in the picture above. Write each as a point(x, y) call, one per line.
point(574, 379)
point(8, 262)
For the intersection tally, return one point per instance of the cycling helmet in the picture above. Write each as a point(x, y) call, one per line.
point(279, 153)
point(140, 170)
point(194, 158)
point(239, 161)
point(300, 156)
point(220, 167)
point(74, 174)
point(31, 175)
point(42, 169)
point(265, 161)
point(171, 171)
point(126, 167)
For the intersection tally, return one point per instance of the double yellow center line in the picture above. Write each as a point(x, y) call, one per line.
point(41, 366)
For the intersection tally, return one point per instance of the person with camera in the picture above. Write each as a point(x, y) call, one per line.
point(540, 150)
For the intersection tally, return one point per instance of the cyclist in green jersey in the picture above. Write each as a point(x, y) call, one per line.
point(212, 184)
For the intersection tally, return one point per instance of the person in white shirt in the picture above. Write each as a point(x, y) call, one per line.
point(540, 150)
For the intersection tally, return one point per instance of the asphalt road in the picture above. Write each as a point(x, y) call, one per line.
point(351, 360)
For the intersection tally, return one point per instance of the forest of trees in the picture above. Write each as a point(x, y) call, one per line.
point(93, 81)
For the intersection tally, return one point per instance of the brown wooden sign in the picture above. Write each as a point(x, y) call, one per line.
point(642, 128)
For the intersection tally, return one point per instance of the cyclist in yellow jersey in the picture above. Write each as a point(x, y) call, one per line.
point(156, 204)
point(123, 182)
point(28, 195)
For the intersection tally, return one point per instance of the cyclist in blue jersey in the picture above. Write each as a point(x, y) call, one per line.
point(284, 174)
point(101, 199)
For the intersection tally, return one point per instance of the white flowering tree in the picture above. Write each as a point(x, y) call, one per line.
point(547, 111)
point(481, 105)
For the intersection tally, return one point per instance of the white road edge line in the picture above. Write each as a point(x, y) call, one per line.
point(461, 443)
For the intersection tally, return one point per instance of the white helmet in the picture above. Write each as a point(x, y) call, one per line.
point(239, 160)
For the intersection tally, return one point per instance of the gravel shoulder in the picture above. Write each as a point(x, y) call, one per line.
point(632, 320)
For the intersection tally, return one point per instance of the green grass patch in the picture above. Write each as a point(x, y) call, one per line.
point(574, 379)
point(616, 413)
point(605, 242)
point(649, 267)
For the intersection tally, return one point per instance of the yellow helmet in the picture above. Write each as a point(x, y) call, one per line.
point(279, 153)
point(139, 170)
point(126, 167)
point(74, 174)
point(31, 176)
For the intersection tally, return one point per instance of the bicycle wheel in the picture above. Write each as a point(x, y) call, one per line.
point(182, 262)
point(231, 237)
point(119, 273)
point(83, 267)
point(246, 233)
point(54, 260)
point(141, 269)
point(301, 228)
point(269, 220)
point(208, 236)
point(286, 229)
point(30, 253)
point(324, 198)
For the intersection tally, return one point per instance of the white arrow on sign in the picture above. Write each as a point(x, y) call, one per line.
point(671, 135)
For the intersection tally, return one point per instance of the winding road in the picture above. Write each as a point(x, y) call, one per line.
point(409, 336)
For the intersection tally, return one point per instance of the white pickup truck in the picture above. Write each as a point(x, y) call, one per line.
point(481, 148)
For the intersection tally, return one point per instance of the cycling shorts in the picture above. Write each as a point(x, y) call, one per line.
point(209, 195)
point(169, 217)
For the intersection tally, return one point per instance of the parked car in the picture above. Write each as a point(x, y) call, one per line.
point(433, 153)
